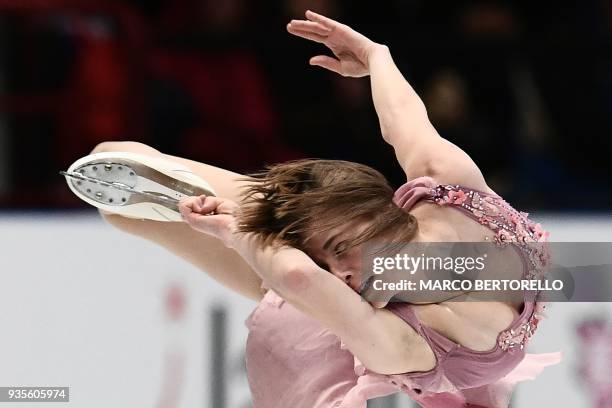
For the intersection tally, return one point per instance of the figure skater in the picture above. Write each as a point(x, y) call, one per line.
point(290, 238)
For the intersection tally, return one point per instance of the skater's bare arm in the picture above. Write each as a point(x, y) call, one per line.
point(405, 125)
point(402, 115)
point(372, 335)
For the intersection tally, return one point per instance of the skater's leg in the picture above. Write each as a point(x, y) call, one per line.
point(205, 252)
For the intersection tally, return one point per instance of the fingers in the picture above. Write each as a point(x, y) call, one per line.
point(326, 62)
point(207, 223)
point(192, 208)
point(310, 26)
point(210, 204)
point(316, 28)
point(201, 204)
point(309, 35)
point(325, 21)
point(198, 211)
point(189, 207)
point(190, 204)
point(209, 215)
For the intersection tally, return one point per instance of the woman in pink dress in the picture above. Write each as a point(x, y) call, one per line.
point(290, 238)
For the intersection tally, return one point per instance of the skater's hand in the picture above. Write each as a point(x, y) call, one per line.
point(351, 48)
point(210, 215)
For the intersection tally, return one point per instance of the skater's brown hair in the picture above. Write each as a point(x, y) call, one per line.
point(290, 202)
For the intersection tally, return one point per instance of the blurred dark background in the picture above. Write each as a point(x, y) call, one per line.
point(524, 87)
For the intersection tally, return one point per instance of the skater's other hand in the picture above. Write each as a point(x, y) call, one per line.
point(352, 49)
point(211, 215)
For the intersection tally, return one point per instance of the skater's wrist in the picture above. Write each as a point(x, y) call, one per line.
point(232, 236)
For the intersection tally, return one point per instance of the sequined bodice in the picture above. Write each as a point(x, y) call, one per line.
point(510, 227)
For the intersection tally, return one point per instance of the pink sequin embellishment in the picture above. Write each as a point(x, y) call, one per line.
point(511, 227)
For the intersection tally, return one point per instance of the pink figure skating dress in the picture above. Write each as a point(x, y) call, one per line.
point(293, 361)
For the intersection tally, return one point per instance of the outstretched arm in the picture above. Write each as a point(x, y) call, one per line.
point(403, 117)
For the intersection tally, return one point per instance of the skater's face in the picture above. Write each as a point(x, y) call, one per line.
point(331, 252)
